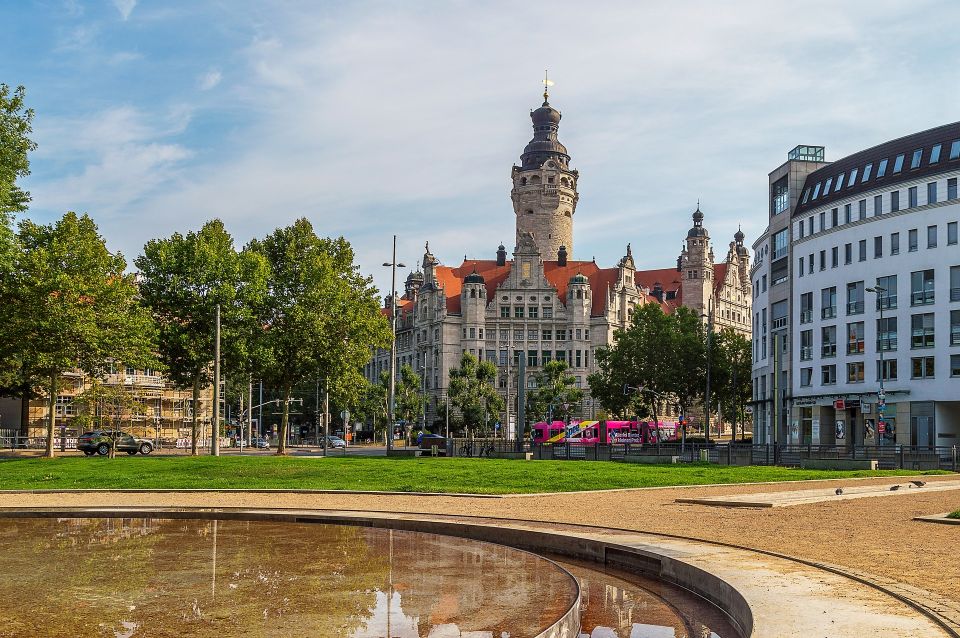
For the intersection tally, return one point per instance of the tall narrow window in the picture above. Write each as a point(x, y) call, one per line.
point(915, 160)
point(881, 168)
point(866, 173)
point(952, 188)
point(951, 233)
point(862, 208)
point(848, 253)
point(847, 214)
point(834, 217)
point(877, 205)
point(912, 197)
point(898, 164)
point(955, 149)
point(894, 201)
point(935, 154)
point(932, 193)
point(894, 243)
point(853, 177)
point(839, 183)
point(921, 287)
point(931, 236)
point(862, 250)
point(878, 247)
point(954, 283)
point(912, 243)
point(834, 257)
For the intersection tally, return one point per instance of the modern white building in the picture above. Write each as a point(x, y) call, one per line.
point(874, 294)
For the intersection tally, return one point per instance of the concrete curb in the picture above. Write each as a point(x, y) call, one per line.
point(938, 518)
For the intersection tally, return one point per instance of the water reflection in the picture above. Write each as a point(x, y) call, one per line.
point(139, 577)
point(615, 604)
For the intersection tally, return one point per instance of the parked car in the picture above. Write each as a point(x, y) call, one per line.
point(335, 442)
point(99, 442)
point(260, 442)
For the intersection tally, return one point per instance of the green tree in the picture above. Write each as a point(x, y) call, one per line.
point(15, 145)
point(71, 306)
point(730, 369)
point(555, 393)
point(409, 400)
point(320, 318)
point(182, 280)
point(473, 393)
point(686, 351)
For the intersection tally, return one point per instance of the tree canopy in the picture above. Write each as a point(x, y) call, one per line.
point(320, 316)
point(555, 394)
point(409, 400)
point(473, 393)
point(183, 279)
point(16, 125)
point(70, 305)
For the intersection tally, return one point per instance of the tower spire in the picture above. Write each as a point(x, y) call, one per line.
point(547, 83)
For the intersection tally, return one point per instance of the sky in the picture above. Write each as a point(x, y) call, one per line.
point(380, 118)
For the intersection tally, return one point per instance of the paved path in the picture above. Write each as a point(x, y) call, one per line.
point(802, 497)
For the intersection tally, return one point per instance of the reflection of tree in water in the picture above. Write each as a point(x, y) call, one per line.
point(94, 577)
point(478, 586)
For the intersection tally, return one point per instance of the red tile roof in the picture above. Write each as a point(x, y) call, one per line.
point(601, 279)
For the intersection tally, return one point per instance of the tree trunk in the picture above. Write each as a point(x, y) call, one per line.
point(284, 422)
point(51, 422)
point(196, 415)
point(27, 392)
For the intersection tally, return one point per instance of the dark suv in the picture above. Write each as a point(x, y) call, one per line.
point(99, 442)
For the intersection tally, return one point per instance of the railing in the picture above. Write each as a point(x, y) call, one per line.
point(806, 316)
point(921, 298)
point(145, 380)
point(806, 353)
point(855, 347)
point(887, 344)
point(471, 447)
point(855, 308)
point(955, 294)
point(828, 312)
point(779, 322)
point(828, 350)
point(888, 302)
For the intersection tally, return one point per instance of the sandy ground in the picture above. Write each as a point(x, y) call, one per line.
point(873, 535)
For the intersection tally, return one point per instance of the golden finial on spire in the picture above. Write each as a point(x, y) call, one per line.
point(547, 83)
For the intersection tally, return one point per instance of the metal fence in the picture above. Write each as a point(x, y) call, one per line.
point(888, 457)
point(492, 448)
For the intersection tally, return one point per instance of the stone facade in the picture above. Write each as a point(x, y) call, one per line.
point(542, 304)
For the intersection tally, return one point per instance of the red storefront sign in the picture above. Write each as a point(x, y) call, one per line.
point(839, 404)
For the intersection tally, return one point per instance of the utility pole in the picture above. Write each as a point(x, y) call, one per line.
point(249, 410)
point(448, 413)
point(326, 415)
point(316, 424)
point(393, 344)
point(521, 400)
point(260, 420)
point(215, 438)
point(706, 403)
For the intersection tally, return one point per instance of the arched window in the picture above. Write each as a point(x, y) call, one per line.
point(535, 179)
point(473, 293)
point(523, 181)
point(579, 294)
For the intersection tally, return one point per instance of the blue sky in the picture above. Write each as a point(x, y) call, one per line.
point(374, 118)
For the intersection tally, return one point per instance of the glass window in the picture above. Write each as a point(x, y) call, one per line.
point(921, 331)
point(889, 368)
point(806, 345)
point(806, 377)
point(955, 149)
point(955, 365)
point(828, 303)
point(932, 193)
point(922, 367)
point(882, 168)
point(951, 233)
point(878, 247)
point(898, 164)
point(823, 221)
point(847, 214)
point(853, 177)
point(887, 334)
point(931, 236)
point(912, 197)
point(801, 269)
point(839, 183)
point(532, 335)
point(855, 372)
point(894, 243)
point(894, 201)
point(834, 217)
point(862, 208)
point(855, 337)
point(504, 312)
point(955, 327)
point(952, 188)
point(546, 335)
point(866, 173)
point(954, 283)
point(862, 248)
point(921, 287)
point(935, 154)
point(834, 257)
point(826, 186)
point(801, 229)
point(806, 307)
point(816, 191)
point(855, 298)
point(780, 196)
point(532, 358)
point(877, 205)
point(848, 253)
point(828, 341)
point(887, 298)
point(518, 335)
point(828, 375)
point(810, 265)
point(915, 160)
point(806, 196)
point(780, 242)
point(810, 225)
point(534, 312)
point(518, 312)
point(912, 242)
point(548, 313)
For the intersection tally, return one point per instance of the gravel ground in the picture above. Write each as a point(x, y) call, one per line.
point(873, 535)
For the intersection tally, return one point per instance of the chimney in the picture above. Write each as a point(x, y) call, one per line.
point(658, 291)
point(562, 256)
point(501, 256)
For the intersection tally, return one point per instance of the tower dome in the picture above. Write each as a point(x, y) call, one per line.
point(698, 230)
point(544, 145)
point(474, 278)
point(579, 278)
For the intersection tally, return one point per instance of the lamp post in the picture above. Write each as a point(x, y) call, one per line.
point(881, 395)
point(393, 342)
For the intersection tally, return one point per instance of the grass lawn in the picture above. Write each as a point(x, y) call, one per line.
point(483, 476)
point(955, 514)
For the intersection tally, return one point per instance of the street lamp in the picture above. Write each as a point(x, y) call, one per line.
point(393, 265)
point(881, 395)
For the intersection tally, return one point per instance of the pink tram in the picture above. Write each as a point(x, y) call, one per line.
point(591, 432)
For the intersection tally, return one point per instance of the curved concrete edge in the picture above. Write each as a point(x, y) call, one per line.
point(764, 595)
point(938, 518)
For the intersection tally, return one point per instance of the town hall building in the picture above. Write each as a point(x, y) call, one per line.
point(543, 304)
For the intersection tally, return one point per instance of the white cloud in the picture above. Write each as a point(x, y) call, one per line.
point(125, 7)
point(209, 79)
